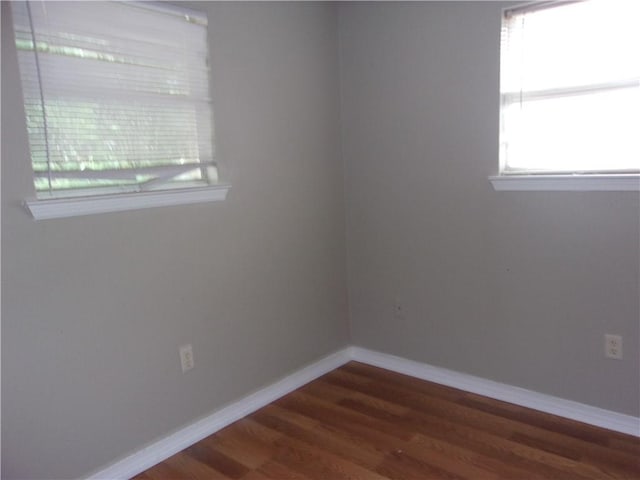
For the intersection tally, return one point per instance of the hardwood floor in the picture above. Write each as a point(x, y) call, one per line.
point(364, 422)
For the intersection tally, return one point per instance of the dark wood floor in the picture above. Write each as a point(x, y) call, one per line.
point(364, 422)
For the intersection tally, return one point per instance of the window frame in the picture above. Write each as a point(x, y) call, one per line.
point(78, 203)
point(566, 183)
point(78, 206)
point(510, 180)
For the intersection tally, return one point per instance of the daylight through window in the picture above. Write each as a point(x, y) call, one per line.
point(570, 88)
point(116, 96)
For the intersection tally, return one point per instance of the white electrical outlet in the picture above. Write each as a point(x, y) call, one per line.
point(613, 346)
point(186, 357)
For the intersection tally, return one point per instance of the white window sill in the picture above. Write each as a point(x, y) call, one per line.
point(586, 183)
point(76, 206)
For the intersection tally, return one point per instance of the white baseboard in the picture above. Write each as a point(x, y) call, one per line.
point(500, 391)
point(174, 443)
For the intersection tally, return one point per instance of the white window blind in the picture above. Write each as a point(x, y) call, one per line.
point(570, 88)
point(116, 96)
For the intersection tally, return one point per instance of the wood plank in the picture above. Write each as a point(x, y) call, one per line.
point(205, 451)
point(182, 462)
point(326, 412)
point(319, 464)
point(278, 471)
point(321, 439)
point(162, 471)
point(247, 443)
point(569, 443)
point(256, 475)
point(362, 422)
point(538, 461)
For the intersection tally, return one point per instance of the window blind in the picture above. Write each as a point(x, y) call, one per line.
point(570, 87)
point(116, 96)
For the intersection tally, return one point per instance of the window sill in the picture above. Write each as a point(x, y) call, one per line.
point(73, 207)
point(586, 183)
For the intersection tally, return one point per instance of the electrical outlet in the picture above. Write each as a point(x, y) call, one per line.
point(613, 346)
point(186, 357)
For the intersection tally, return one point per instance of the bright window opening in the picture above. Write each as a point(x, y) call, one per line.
point(570, 88)
point(116, 97)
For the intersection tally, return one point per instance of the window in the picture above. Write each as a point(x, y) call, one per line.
point(570, 95)
point(117, 105)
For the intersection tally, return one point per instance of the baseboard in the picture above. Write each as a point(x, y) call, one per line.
point(172, 444)
point(500, 391)
point(163, 449)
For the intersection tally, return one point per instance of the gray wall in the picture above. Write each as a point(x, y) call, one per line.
point(94, 308)
point(512, 286)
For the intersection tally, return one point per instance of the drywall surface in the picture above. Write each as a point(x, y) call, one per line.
point(518, 287)
point(95, 308)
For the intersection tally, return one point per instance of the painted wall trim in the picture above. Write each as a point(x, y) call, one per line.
point(77, 206)
point(501, 391)
point(567, 183)
point(172, 444)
